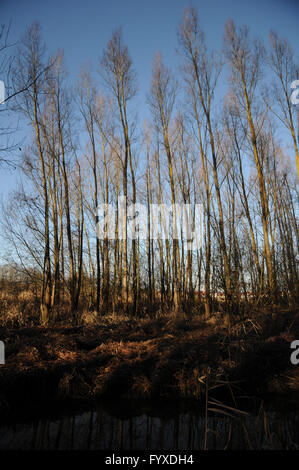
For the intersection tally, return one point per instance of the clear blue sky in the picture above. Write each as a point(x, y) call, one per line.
point(82, 29)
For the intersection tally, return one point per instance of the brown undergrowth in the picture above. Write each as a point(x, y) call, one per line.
point(119, 357)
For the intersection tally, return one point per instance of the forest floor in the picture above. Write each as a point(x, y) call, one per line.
point(164, 358)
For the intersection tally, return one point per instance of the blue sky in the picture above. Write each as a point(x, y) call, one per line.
point(83, 28)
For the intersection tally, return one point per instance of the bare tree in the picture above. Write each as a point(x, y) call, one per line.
point(283, 64)
point(203, 69)
point(162, 100)
point(246, 66)
point(30, 67)
point(119, 75)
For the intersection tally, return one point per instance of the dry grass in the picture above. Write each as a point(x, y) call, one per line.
point(19, 309)
point(26, 296)
point(149, 358)
point(90, 318)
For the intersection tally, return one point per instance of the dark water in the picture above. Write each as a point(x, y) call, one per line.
point(99, 429)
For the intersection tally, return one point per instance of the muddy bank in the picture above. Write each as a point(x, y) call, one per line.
point(149, 359)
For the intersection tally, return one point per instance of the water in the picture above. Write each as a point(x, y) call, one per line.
point(99, 429)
